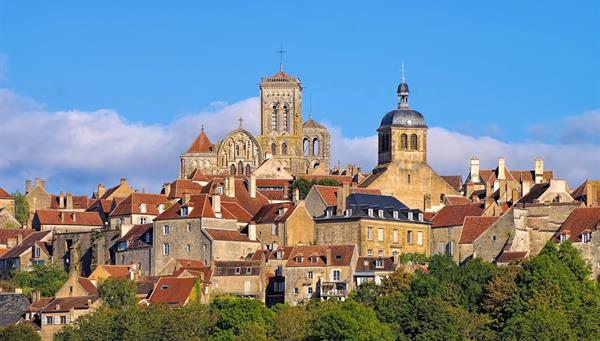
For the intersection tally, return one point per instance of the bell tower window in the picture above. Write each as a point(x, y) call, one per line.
point(414, 142)
point(404, 142)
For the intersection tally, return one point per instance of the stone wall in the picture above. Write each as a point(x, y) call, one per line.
point(449, 235)
point(141, 256)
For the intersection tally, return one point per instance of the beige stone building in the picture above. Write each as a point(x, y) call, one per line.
point(137, 209)
point(34, 249)
point(447, 228)
point(7, 202)
point(238, 277)
point(65, 221)
point(588, 193)
point(284, 224)
point(402, 170)
point(582, 227)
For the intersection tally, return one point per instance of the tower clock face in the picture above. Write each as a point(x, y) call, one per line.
point(409, 122)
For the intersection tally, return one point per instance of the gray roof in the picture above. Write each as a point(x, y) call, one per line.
point(403, 87)
point(12, 308)
point(356, 200)
point(405, 118)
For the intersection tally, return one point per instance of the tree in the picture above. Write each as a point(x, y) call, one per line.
point(46, 279)
point(117, 292)
point(500, 295)
point(19, 332)
point(303, 185)
point(291, 323)
point(21, 208)
point(233, 312)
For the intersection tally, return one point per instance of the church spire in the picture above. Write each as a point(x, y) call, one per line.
point(403, 91)
point(281, 51)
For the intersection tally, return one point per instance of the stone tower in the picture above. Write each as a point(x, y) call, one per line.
point(316, 147)
point(281, 120)
point(402, 134)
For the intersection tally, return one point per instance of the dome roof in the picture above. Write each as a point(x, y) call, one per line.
point(404, 118)
point(403, 87)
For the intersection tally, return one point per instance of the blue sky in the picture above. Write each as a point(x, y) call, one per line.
point(503, 69)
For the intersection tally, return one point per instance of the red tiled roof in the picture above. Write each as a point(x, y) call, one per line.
point(61, 304)
point(52, 217)
point(455, 181)
point(189, 263)
point(457, 200)
point(132, 204)
point(40, 304)
point(27, 244)
point(274, 194)
point(473, 227)
point(134, 235)
point(201, 144)
point(79, 201)
point(428, 215)
point(455, 215)
point(172, 290)
point(227, 235)
point(272, 182)
point(341, 255)
point(270, 213)
point(4, 194)
point(178, 187)
point(6, 234)
point(105, 205)
point(580, 220)
point(272, 254)
point(198, 175)
point(87, 285)
point(511, 256)
point(112, 270)
point(329, 193)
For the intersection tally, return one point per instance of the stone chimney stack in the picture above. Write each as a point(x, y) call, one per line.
point(525, 187)
point(27, 186)
point(539, 170)
point(39, 182)
point(296, 195)
point(252, 186)
point(167, 189)
point(328, 255)
point(230, 186)
point(185, 198)
point(342, 194)
point(475, 169)
point(501, 168)
point(252, 230)
point(69, 204)
point(62, 216)
point(123, 182)
point(101, 190)
point(216, 205)
point(61, 200)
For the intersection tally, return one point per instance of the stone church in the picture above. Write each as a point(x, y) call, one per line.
point(402, 170)
point(294, 145)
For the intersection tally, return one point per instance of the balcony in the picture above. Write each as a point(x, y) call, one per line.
point(334, 289)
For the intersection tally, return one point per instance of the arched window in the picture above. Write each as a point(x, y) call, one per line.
point(232, 169)
point(241, 168)
point(284, 148)
point(315, 147)
point(274, 148)
point(414, 143)
point(237, 150)
point(248, 170)
point(404, 141)
point(380, 143)
point(305, 146)
point(286, 122)
point(274, 118)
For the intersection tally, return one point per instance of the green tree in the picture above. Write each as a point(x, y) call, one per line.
point(303, 185)
point(19, 332)
point(21, 208)
point(291, 323)
point(233, 312)
point(117, 292)
point(46, 279)
point(499, 298)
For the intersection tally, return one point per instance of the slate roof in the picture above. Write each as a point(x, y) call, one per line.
point(473, 227)
point(132, 204)
point(356, 200)
point(270, 213)
point(4, 194)
point(369, 264)
point(12, 308)
point(61, 304)
point(582, 219)
point(455, 215)
point(453, 200)
point(27, 244)
point(329, 193)
point(201, 144)
point(135, 236)
point(534, 193)
point(53, 217)
point(227, 268)
point(341, 255)
point(172, 290)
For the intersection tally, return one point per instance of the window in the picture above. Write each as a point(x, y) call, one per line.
point(309, 275)
point(121, 221)
point(189, 227)
point(188, 248)
point(419, 238)
point(36, 252)
point(414, 142)
point(298, 259)
point(380, 234)
point(279, 270)
point(409, 237)
point(586, 237)
point(380, 253)
point(166, 249)
point(49, 320)
point(370, 212)
point(379, 263)
point(408, 179)
point(370, 253)
point(336, 275)
point(395, 236)
point(313, 259)
point(284, 149)
point(164, 287)
point(147, 238)
point(309, 290)
point(161, 208)
point(494, 237)
point(562, 237)
point(166, 230)
point(279, 286)
point(450, 251)
point(248, 270)
point(184, 211)
point(70, 290)
point(142, 220)
point(219, 190)
point(369, 233)
point(296, 291)
point(395, 214)
point(122, 246)
point(380, 213)
point(143, 208)
point(63, 320)
point(420, 216)
point(274, 230)
point(410, 216)
point(238, 270)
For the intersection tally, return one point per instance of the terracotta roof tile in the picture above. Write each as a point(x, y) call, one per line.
point(172, 290)
point(473, 227)
point(4, 194)
point(180, 186)
point(329, 193)
point(61, 304)
point(227, 235)
point(87, 285)
point(511, 256)
point(25, 245)
point(198, 175)
point(228, 268)
point(457, 200)
point(272, 183)
point(272, 254)
point(278, 212)
point(453, 180)
point(341, 255)
point(455, 215)
point(201, 144)
point(580, 220)
point(80, 202)
point(6, 234)
point(40, 304)
point(132, 204)
point(52, 217)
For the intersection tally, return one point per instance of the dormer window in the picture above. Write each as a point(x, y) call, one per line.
point(420, 216)
point(313, 259)
point(279, 254)
point(410, 216)
point(395, 214)
point(586, 237)
point(281, 211)
point(184, 211)
point(248, 270)
point(379, 263)
point(329, 212)
point(122, 246)
point(143, 208)
point(36, 252)
point(238, 270)
point(161, 208)
point(298, 259)
point(562, 237)
point(164, 287)
point(380, 213)
point(147, 238)
point(219, 190)
point(166, 229)
point(348, 212)
point(370, 212)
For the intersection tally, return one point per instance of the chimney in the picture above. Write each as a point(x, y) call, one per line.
point(69, 204)
point(342, 194)
point(230, 186)
point(216, 205)
point(328, 255)
point(89, 302)
point(27, 186)
point(525, 187)
point(501, 168)
point(35, 296)
point(539, 170)
point(19, 238)
point(62, 216)
point(252, 186)
point(167, 188)
point(61, 200)
point(252, 231)
point(296, 195)
point(123, 182)
point(185, 198)
point(101, 190)
point(39, 182)
point(475, 169)
point(396, 259)
point(57, 307)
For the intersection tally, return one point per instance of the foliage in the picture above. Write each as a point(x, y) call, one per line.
point(235, 313)
point(19, 332)
point(413, 258)
point(21, 208)
point(117, 292)
point(303, 185)
point(46, 279)
point(291, 323)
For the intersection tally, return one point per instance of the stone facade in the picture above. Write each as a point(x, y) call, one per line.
point(444, 241)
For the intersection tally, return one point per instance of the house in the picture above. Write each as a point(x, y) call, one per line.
point(321, 197)
point(10, 238)
point(447, 227)
point(66, 221)
point(122, 190)
point(13, 307)
point(379, 225)
point(137, 209)
point(472, 228)
point(324, 272)
point(242, 278)
point(175, 291)
point(7, 202)
point(35, 249)
point(284, 224)
point(274, 261)
point(105, 271)
point(582, 227)
point(588, 193)
point(135, 247)
point(8, 220)
point(374, 269)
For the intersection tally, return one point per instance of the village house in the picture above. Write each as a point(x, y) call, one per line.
point(66, 221)
point(34, 249)
point(320, 197)
point(588, 193)
point(374, 269)
point(175, 291)
point(283, 224)
point(135, 247)
point(242, 278)
point(447, 227)
point(274, 261)
point(472, 228)
point(582, 227)
point(379, 225)
point(137, 209)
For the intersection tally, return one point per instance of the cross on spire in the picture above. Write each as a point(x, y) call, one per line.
point(202, 128)
point(241, 120)
point(281, 51)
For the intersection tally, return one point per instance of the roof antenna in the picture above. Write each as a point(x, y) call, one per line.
point(281, 52)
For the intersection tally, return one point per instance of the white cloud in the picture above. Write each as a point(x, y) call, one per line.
point(75, 150)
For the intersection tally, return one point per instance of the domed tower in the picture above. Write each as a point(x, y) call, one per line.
point(402, 133)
